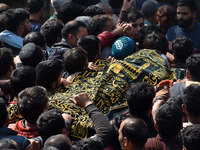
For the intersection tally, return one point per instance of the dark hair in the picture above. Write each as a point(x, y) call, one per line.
point(71, 8)
point(14, 17)
point(2, 44)
point(191, 100)
point(116, 4)
point(136, 131)
point(183, 48)
point(3, 112)
point(156, 41)
point(22, 78)
point(192, 4)
point(31, 103)
point(190, 137)
point(72, 27)
point(59, 141)
point(88, 144)
point(75, 60)
point(149, 8)
point(90, 43)
point(50, 123)
point(34, 6)
point(51, 31)
point(36, 38)
point(169, 120)
point(48, 71)
point(93, 10)
point(6, 60)
point(3, 7)
point(7, 144)
point(49, 148)
point(134, 15)
point(193, 66)
point(98, 24)
point(175, 100)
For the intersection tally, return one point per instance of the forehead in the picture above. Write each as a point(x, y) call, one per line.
point(183, 9)
point(138, 21)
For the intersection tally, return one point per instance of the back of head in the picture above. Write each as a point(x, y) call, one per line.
point(56, 4)
point(169, 120)
point(193, 66)
point(14, 17)
point(134, 15)
point(48, 71)
point(136, 131)
point(192, 4)
point(22, 78)
point(51, 30)
point(32, 102)
point(8, 144)
point(93, 10)
point(183, 48)
point(190, 137)
point(88, 144)
point(50, 123)
point(85, 19)
point(156, 41)
point(34, 6)
point(148, 13)
point(115, 4)
point(31, 55)
point(72, 27)
point(191, 100)
point(90, 43)
point(71, 8)
point(6, 60)
point(60, 141)
point(75, 60)
point(139, 98)
point(3, 113)
point(3, 7)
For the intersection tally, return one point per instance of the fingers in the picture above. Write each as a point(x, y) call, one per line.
point(73, 100)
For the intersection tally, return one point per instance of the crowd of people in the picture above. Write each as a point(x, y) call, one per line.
point(100, 74)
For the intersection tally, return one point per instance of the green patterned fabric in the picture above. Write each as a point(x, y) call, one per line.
point(106, 88)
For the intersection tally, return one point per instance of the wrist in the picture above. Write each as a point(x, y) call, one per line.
point(87, 103)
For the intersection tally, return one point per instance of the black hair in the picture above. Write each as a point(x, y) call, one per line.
point(50, 123)
point(183, 48)
point(6, 60)
point(75, 60)
point(148, 13)
point(156, 41)
point(90, 43)
point(21, 78)
point(51, 31)
point(7, 144)
point(116, 4)
point(3, 7)
point(192, 4)
point(136, 131)
point(2, 44)
point(169, 120)
point(3, 112)
point(93, 10)
point(193, 66)
point(98, 24)
point(72, 28)
point(14, 17)
point(175, 100)
point(34, 6)
point(48, 71)
point(134, 15)
point(71, 8)
point(139, 98)
point(34, 99)
point(49, 148)
point(190, 137)
point(191, 100)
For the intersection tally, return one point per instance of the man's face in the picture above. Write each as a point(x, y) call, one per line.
point(27, 27)
point(120, 138)
point(137, 25)
point(185, 16)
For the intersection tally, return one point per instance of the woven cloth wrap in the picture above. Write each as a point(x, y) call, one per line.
point(106, 88)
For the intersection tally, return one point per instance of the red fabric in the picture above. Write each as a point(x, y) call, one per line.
point(27, 132)
point(106, 38)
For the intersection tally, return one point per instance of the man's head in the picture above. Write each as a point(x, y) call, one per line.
point(190, 137)
point(60, 141)
point(51, 123)
point(136, 19)
point(139, 98)
point(32, 102)
point(193, 67)
point(88, 144)
point(73, 31)
point(7, 144)
point(3, 114)
point(49, 73)
point(93, 10)
point(17, 21)
point(91, 44)
point(35, 6)
point(56, 4)
point(183, 48)
point(169, 120)
point(3, 7)
point(186, 13)
point(6, 63)
point(133, 133)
